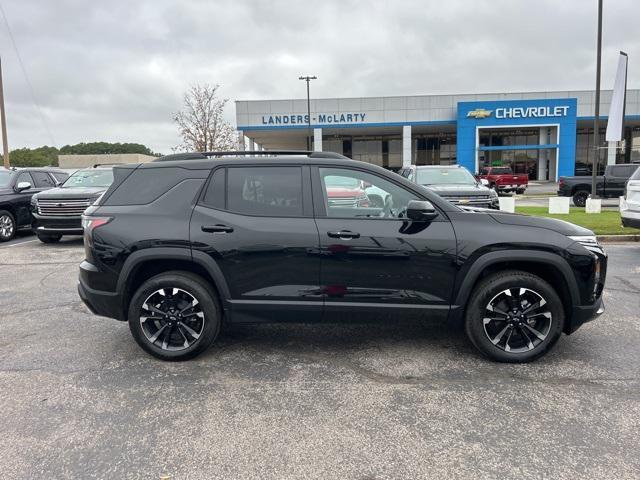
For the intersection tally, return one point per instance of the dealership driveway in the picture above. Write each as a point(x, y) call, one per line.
point(78, 399)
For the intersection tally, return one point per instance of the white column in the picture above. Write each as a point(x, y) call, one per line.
point(406, 145)
point(317, 139)
point(543, 155)
point(241, 141)
point(611, 153)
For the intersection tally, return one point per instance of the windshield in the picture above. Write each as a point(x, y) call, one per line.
point(5, 178)
point(89, 178)
point(442, 176)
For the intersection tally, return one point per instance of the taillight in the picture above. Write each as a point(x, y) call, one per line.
point(89, 224)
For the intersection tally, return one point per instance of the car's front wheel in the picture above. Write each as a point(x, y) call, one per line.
point(7, 226)
point(514, 316)
point(174, 316)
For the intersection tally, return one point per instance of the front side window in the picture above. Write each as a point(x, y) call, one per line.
point(24, 177)
point(443, 176)
point(90, 178)
point(355, 194)
point(265, 191)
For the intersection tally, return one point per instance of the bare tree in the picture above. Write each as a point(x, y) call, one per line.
point(201, 122)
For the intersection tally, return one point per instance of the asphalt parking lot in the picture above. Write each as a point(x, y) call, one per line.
point(79, 399)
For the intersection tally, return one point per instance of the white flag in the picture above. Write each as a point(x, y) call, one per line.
point(616, 111)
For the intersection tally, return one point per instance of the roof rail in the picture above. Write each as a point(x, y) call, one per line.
point(245, 153)
point(96, 165)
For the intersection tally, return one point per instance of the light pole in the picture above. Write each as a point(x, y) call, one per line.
point(308, 79)
point(596, 119)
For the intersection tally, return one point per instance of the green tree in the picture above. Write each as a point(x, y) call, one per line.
point(103, 148)
point(36, 157)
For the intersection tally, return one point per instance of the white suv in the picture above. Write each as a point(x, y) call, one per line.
point(630, 203)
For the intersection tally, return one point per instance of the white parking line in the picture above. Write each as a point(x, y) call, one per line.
point(19, 243)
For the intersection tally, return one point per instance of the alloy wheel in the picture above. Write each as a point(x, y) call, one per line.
point(517, 320)
point(6, 226)
point(172, 319)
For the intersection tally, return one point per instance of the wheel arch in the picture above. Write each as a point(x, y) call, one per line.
point(548, 266)
point(144, 264)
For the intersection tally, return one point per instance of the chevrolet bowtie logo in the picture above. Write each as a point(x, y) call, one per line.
point(479, 113)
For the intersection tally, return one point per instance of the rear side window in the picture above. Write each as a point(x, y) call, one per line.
point(43, 180)
point(265, 191)
point(144, 185)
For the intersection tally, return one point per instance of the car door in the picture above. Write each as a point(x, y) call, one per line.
point(256, 222)
point(23, 199)
point(375, 260)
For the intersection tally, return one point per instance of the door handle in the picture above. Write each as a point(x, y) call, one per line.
point(344, 234)
point(216, 229)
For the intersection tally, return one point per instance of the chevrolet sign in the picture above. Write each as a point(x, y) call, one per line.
point(479, 113)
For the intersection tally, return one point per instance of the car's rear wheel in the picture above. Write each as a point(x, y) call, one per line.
point(580, 198)
point(174, 316)
point(7, 226)
point(514, 316)
point(44, 238)
point(520, 191)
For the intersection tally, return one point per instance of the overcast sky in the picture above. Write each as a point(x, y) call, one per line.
point(117, 70)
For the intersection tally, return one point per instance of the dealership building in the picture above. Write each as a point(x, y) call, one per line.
point(543, 134)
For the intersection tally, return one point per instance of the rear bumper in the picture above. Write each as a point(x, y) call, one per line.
point(106, 304)
point(57, 225)
point(510, 187)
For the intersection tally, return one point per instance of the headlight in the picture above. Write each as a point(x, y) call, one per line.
point(34, 201)
point(585, 239)
point(493, 193)
point(590, 242)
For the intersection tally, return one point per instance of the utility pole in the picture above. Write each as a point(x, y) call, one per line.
point(596, 119)
point(308, 79)
point(3, 119)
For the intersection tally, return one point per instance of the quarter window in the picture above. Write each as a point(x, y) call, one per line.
point(265, 191)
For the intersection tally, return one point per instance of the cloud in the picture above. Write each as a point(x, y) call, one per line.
point(117, 70)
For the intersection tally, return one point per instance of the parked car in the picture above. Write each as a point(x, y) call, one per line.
point(504, 180)
point(454, 183)
point(630, 204)
point(346, 192)
point(179, 247)
point(58, 211)
point(609, 185)
point(16, 189)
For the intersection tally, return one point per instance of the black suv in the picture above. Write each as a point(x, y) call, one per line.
point(16, 190)
point(58, 211)
point(178, 246)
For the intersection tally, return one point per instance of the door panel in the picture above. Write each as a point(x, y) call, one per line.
point(378, 263)
point(271, 263)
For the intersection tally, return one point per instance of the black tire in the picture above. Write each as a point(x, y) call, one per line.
point(7, 226)
point(44, 238)
point(520, 191)
point(186, 284)
point(580, 198)
point(542, 326)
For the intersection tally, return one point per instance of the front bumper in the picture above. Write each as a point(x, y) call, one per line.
point(56, 225)
point(630, 213)
point(583, 314)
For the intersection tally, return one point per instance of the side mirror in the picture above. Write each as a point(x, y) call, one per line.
point(484, 182)
point(421, 210)
point(23, 186)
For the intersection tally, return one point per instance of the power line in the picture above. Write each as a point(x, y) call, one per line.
point(26, 77)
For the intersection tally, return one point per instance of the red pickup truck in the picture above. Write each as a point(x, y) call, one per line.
point(502, 179)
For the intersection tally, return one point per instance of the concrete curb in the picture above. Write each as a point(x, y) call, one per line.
point(618, 238)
